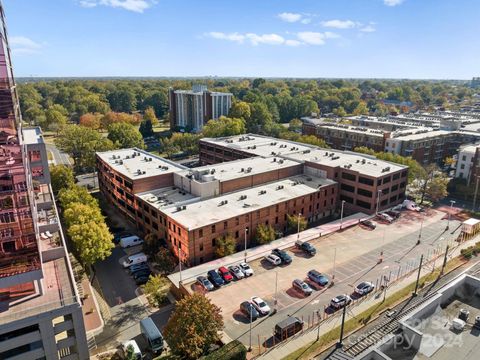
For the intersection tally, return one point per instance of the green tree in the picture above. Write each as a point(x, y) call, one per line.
point(61, 177)
point(265, 234)
point(130, 353)
point(156, 290)
point(340, 111)
point(125, 136)
point(76, 194)
point(92, 241)
point(78, 213)
point(295, 125)
point(193, 327)
point(225, 246)
point(361, 109)
point(224, 126)
point(432, 184)
point(240, 110)
point(260, 119)
point(294, 222)
point(56, 117)
point(151, 244)
point(81, 144)
point(149, 115)
point(122, 100)
point(166, 262)
point(146, 128)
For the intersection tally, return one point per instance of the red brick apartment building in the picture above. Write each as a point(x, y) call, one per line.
point(246, 181)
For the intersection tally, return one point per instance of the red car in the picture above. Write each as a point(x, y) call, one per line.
point(225, 274)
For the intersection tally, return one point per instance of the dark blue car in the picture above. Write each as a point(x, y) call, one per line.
point(318, 278)
point(215, 278)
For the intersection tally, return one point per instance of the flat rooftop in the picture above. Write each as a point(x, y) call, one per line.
point(202, 212)
point(32, 135)
point(422, 134)
point(357, 130)
point(364, 164)
point(260, 145)
point(138, 164)
point(239, 168)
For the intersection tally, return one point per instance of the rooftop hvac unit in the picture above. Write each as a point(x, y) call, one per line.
point(179, 208)
point(127, 157)
point(274, 159)
point(120, 162)
point(184, 207)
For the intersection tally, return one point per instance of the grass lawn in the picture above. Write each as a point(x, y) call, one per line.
point(330, 337)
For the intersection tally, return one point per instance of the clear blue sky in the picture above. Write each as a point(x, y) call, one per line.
point(281, 38)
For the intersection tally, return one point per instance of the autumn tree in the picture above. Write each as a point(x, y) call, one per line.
point(90, 120)
point(61, 177)
point(124, 136)
point(78, 213)
point(76, 194)
point(240, 110)
point(193, 327)
point(92, 241)
point(166, 262)
point(265, 234)
point(295, 125)
point(149, 115)
point(296, 222)
point(156, 290)
point(225, 246)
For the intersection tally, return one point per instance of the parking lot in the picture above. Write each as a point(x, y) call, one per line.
point(356, 252)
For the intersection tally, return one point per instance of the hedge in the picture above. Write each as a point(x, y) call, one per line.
point(234, 350)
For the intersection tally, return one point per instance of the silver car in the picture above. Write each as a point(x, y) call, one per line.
point(302, 286)
point(236, 272)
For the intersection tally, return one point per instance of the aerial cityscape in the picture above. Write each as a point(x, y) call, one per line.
point(239, 180)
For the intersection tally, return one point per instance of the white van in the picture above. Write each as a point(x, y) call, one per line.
point(134, 259)
point(130, 241)
point(137, 353)
point(410, 205)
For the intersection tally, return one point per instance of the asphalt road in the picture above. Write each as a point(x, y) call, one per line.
point(58, 157)
point(126, 309)
point(403, 252)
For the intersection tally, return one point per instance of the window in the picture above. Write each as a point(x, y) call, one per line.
point(394, 188)
point(384, 202)
point(396, 176)
point(464, 158)
point(200, 233)
point(258, 214)
point(147, 220)
point(404, 174)
point(236, 234)
point(348, 176)
point(393, 199)
point(363, 204)
point(333, 190)
point(364, 180)
point(364, 193)
point(155, 225)
point(201, 246)
point(346, 198)
point(174, 228)
point(179, 231)
point(387, 179)
point(237, 221)
point(462, 166)
point(225, 225)
point(276, 220)
point(213, 242)
point(402, 185)
point(348, 188)
point(213, 229)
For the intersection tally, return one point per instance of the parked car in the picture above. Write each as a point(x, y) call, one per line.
point(410, 205)
point(385, 217)
point(246, 269)
point(118, 236)
point(236, 272)
point(393, 213)
point(302, 286)
point(142, 279)
point(305, 246)
point(134, 259)
point(249, 310)
point(273, 259)
point(261, 306)
point(138, 267)
point(282, 254)
point(364, 288)
point(215, 279)
point(288, 327)
point(370, 224)
point(340, 301)
point(205, 283)
point(152, 335)
point(317, 277)
point(225, 274)
point(129, 241)
point(138, 274)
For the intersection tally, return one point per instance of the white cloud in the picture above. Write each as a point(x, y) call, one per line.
point(138, 6)
point(306, 21)
point(368, 29)
point(271, 39)
point(339, 24)
point(312, 38)
point(393, 2)
point(290, 17)
point(231, 37)
point(293, 43)
point(23, 45)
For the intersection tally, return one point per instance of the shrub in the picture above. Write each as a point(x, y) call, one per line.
point(234, 350)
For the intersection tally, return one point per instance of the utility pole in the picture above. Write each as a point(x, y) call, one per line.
point(418, 276)
point(340, 342)
point(245, 254)
point(341, 215)
point(334, 264)
point(276, 288)
point(380, 259)
point(450, 214)
point(298, 226)
point(251, 311)
point(421, 228)
point(444, 260)
point(475, 196)
point(180, 261)
point(378, 201)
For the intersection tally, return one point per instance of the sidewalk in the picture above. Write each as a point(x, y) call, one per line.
point(310, 335)
point(190, 275)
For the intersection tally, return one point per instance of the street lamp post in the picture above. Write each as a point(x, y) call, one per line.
point(450, 214)
point(180, 261)
point(378, 201)
point(250, 335)
point(341, 215)
point(276, 288)
point(245, 254)
point(421, 228)
point(298, 226)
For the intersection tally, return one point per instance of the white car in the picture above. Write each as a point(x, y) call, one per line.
point(137, 353)
point(261, 306)
point(273, 259)
point(364, 288)
point(385, 217)
point(246, 269)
